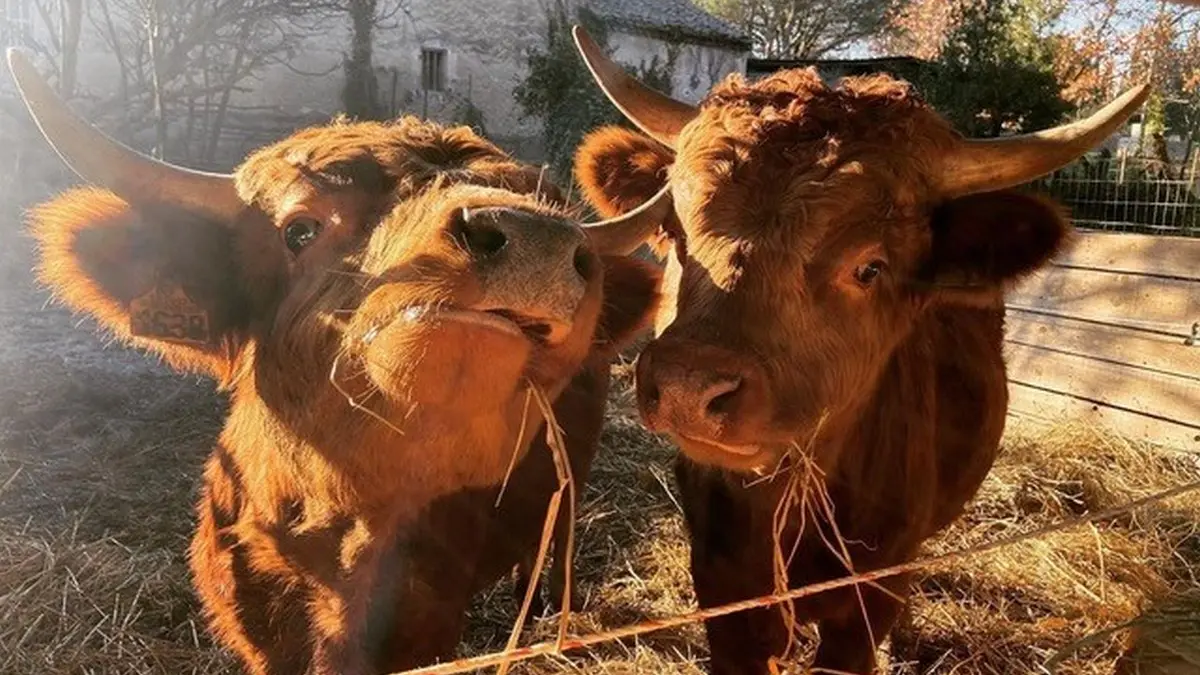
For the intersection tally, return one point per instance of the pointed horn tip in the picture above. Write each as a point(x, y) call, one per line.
point(583, 40)
point(1141, 92)
point(18, 60)
point(27, 77)
point(658, 201)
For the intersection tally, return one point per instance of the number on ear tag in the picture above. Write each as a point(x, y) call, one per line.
point(167, 313)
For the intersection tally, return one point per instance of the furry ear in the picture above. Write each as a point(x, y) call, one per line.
point(986, 242)
point(159, 277)
point(630, 301)
point(618, 170)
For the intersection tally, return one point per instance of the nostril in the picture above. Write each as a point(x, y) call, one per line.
point(723, 398)
point(479, 237)
point(484, 240)
point(584, 263)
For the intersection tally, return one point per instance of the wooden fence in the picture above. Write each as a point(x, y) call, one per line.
point(1109, 334)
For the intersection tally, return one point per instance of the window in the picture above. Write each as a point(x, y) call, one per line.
point(433, 69)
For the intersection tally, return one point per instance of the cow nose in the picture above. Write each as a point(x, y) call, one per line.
point(530, 265)
point(701, 395)
point(489, 233)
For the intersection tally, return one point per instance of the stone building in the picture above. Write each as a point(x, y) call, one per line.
point(705, 49)
point(449, 60)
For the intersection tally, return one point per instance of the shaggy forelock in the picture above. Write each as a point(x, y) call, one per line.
point(793, 144)
point(402, 155)
point(876, 107)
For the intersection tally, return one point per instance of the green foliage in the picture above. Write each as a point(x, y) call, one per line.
point(560, 91)
point(469, 114)
point(1154, 115)
point(996, 71)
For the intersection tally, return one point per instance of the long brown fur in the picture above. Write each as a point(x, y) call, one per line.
point(346, 515)
point(894, 388)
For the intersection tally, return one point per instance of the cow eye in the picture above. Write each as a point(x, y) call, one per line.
point(301, 232)
point(866, 274)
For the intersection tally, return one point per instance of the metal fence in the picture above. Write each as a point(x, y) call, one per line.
point(1122, 192)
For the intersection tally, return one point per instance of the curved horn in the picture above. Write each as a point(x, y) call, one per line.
point(982, 165)
point(657, 115)
point(101, 160)
point(623, 234)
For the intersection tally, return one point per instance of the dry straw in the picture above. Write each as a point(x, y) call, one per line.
point(510, 656)
point(566, 482)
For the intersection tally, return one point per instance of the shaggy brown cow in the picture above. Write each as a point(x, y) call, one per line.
point(833, 297)
point(379, 299)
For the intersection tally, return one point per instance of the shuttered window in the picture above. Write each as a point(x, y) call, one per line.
point(433, 69)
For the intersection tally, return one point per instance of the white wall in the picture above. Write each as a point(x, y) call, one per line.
point(486, 43)
point(697, 67)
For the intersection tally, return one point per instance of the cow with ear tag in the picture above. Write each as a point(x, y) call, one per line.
point(833, 302)
point(379, 299)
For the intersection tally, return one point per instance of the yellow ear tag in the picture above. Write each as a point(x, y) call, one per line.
point(167, 313)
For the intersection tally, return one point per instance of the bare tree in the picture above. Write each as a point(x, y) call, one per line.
point(70, 24)
point(56, 38)
point(360, 94)
point(803, 28)
point(183, 61)
point(193, 55)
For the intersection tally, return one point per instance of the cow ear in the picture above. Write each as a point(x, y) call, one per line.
point(159, 277)
point(619, 169)
point(630, 299)
point(984, 243)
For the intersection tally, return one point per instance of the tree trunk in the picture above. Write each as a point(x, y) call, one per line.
point(214, 134)
point(189, 129)
point(153, 42)
point(71, 24)
point(114, 41)
point(359, 94)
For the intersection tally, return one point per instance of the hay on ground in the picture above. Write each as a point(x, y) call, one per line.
point(100, 454)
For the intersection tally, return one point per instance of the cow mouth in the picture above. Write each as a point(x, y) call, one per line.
point(505, 321)
point(748, 450)
point(537, 331)
point(502, 320)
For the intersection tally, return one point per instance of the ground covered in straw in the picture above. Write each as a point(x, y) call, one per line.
point(100, 450)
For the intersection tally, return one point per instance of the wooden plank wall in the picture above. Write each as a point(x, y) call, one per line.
point(1109, 334)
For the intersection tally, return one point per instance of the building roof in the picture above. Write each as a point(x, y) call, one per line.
point(679, 19)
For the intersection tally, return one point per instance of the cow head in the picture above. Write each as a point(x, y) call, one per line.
point(812, 227)
point(377, 296)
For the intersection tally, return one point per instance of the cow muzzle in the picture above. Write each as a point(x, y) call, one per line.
point(533, 270)
point(708, 399)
